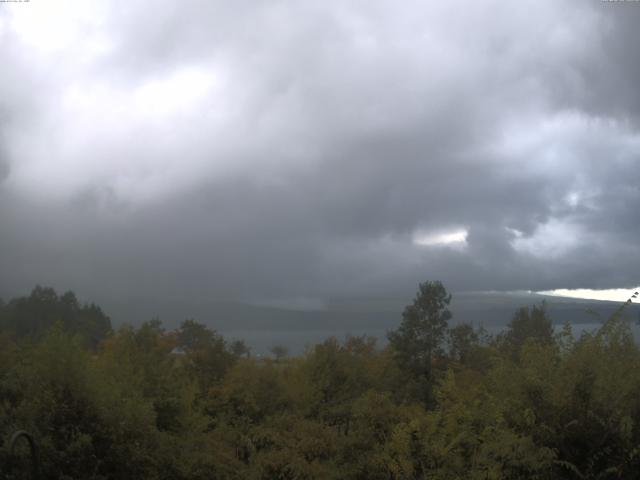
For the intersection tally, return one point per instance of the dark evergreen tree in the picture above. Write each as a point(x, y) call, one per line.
point(534, 325)
point(463, 340)
point(36, 314)
point(420, 337)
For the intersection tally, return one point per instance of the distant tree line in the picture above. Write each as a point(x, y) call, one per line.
point(440, 401)
point(34, 315)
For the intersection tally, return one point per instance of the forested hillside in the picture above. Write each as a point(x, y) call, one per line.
point(440, 401)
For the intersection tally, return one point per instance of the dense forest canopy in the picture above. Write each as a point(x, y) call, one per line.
point(440, 401)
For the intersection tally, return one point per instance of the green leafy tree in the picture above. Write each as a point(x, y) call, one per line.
point(207, 355)
point(240, 349)
point(280, 352)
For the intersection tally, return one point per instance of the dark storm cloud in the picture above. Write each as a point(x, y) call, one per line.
point(605, 80)
point(288, 150)
point(4, 163)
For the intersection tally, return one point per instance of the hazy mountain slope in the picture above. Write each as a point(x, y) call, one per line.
point(489, 309)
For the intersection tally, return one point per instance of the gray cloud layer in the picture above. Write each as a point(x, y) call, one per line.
point(279, 149)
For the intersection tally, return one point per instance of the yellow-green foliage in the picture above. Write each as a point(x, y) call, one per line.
point(136, 407)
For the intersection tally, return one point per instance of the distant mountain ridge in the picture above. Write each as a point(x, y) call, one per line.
point(491, 309)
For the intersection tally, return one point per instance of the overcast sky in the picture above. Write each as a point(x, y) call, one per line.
point(287, 149)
